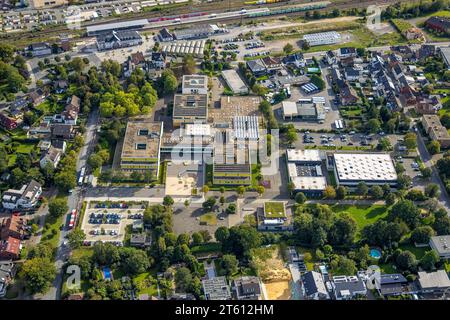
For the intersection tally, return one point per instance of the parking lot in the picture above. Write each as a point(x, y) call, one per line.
point(109, 224)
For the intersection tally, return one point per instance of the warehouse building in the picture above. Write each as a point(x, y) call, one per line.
point(141, 146)
point(303, 110)
point(371, 168)
point(305, 171)
point(318, 39)
point(117, 26)
point(234, 82)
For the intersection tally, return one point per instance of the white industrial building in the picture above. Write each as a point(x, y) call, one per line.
point(194, 48)
point(246, 127)
point(305, 171)
point(371, 168)
point(318, 39)
point(234, 82)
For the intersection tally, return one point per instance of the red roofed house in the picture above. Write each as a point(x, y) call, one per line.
point(10, 249)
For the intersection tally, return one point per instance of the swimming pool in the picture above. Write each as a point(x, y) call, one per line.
point(107, 274)
point(375, 253)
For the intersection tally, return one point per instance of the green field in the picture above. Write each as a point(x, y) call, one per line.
point(363, 215)
point(146, 284)
point(206, 248)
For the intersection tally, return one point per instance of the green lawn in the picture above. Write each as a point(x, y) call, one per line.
point(51, 231)
point(209, 219)
point(145, 284)
point(364, 215)
point(418, 252)
point(206, 248)
point(25, 148)
point(82, 252)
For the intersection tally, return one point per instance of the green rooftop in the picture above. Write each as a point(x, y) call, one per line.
point(274, 209)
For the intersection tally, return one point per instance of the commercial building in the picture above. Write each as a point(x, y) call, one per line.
point(303, 110)
point(198, 32)
point(273, 217)
point(247, 288)
point(318, 39)
point(117, 26)
point(305, 171)
point(371, 168)
point(234, 106)
point(40, 49)
point(182, 48)
point(41, 4)
point(194, 84)
point(231, 165)
point(216, 289)
point(190, 108)
point(234, 82)
point(118, 39)
point(441, 245)
point(434, 128)
point(433, 282)
point(257, 67)
point(25, 198)
point(141, 146)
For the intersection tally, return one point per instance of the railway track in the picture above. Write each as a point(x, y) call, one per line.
point(214, 7)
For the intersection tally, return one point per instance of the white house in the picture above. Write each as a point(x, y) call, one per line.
point(25, 198)
point(53, 156)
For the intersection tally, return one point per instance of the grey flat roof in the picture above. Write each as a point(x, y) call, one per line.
point(441, 244)
point(117, 25)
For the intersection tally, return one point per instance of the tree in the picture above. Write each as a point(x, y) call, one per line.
point(343, 230)
point(422, 234)
point(300, 198)
point(373, 125)
point(406, 211)
point(231, 209)
point(222, 234)
point(343, 266)
point(406, 261)
point(432, 190)
point(291, 136)
point(169, 80)
point(329, 192)
point(404, 181)
point(65, 180)
point(183, 279)
point(376, 192)
point(197, 238)
point(188, 65)
point(341, 192)
point(205, 189)
point(95, 161)
point(241, 240)
point(288, 48)
point(318, 81)
point(134, 261)
point(206, 235)
point(384, 144)
point(229, 264)
point(57, 207)
point(260, 190)
point(426, 172)
point(38, 273)
point(240, 190)
point(76, 238)
point(362, 189)
point(168, 201)
point(209, 204)
point(429, 260)
point(410, 141)
point(434, 147)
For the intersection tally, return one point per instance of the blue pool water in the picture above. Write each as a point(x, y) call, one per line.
point(107, 274)
point(375, 253)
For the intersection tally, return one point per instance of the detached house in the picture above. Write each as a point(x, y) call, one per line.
point(313, 286)
point(247, 288)
point(53, 156)
point(7, 273)
point(257, 67)
point(26, 198)
point(272, 64)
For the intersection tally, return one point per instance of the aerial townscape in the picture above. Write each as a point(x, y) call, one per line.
point(224, 150)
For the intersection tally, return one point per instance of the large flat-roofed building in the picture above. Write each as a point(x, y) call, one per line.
point(441, 244)
point(433, 282)
point(305, 171)
point(232, 107)
point(371, 168)
point(25, 198)
point(234, 82)
point(231, 164)
point(141, 145)
point(433, 126)
point(40, 4)
point(305, 111)
point(216, 289)
point(190, 108)
point(108, 27)
point(202, 31)
point(317, 39)
point(194, 84)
